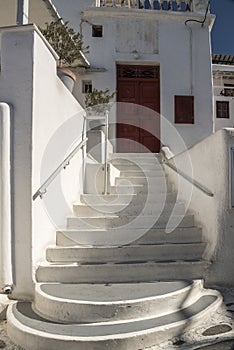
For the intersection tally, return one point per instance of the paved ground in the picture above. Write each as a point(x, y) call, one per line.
point(222, 320)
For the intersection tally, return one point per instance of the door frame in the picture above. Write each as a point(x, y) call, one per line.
point(140, 71)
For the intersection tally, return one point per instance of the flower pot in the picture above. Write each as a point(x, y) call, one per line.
point(67, 76)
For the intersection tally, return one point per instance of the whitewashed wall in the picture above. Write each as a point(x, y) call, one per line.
point(183, 53)
point(39, 12)
point(57, 129)
point(211, 167)
point(41, 110)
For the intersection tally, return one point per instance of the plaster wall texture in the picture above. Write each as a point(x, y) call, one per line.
point(182, 53)
point(40, 106)
point(57, 129)
point(16, 88)
point(38, 12)
point(209, 164)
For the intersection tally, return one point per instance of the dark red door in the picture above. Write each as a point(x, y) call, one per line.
point(138, 124)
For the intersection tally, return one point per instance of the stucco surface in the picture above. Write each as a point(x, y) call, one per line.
point(42, 108)
point(191, 340)
point(208, 162)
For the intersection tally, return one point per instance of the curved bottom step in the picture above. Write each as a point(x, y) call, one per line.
point(30, 331)
point(68, 303)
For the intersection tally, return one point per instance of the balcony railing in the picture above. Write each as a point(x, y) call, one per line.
point(166, 5)
point(224, 91)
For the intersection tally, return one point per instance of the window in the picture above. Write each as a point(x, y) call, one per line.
point(97, 31)
point(184, 109)
point(222, 109)
point(87, 86)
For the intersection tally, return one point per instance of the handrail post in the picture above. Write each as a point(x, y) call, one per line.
point(106, 154)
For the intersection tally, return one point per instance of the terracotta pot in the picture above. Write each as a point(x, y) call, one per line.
point(67, 76)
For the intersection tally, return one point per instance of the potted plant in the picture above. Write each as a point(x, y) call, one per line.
point(97, 103)
point(68, 45)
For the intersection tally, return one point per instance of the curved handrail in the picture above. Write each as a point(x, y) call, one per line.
point(43, 188)
point(195, 183)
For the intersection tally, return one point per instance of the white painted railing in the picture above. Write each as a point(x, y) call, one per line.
point(43, 188)
point(166, 5)
point(5, 204)
point(225, 91)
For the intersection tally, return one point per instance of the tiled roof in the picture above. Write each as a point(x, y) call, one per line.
point(223, 59)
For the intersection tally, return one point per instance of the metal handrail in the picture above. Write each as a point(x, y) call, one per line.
point(201, 187)
point(106, 118)
point(43, 188)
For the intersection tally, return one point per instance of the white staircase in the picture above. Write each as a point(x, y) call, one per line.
point(116, 279)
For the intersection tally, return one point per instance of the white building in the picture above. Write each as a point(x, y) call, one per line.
point(115, 254)
point(223, 82)
point(165, 53)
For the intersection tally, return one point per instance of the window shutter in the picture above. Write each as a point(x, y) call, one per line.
point(222, 109)
point(184, 109)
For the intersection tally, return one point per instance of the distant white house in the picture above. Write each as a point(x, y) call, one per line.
point(223, 90)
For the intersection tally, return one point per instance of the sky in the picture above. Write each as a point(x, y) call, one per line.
point(222, 37)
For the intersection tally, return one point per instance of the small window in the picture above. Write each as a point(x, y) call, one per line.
point(87, 86)
point(184, 109)
point(97, 31)
point(222, 109)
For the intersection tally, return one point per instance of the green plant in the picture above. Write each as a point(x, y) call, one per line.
point(65, 41)
point(98, 100)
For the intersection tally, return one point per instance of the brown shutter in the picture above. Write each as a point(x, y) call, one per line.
point(184, 109)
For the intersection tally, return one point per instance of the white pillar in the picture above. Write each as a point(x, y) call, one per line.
point(6, 280)
point(22, 12)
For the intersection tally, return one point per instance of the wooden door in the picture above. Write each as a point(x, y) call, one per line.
point(138, 126)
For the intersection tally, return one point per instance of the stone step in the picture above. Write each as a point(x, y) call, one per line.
point(146, 222)
point(144, 164)
point(101, 254)
point(154, 182)
point(125, 187)
point(121, 272)
point(153, 236)
point(93, 199)
point(81, 210)
point(139, 173)
point(131, 166)
point(30, 331)
point(76, 303)
point(131, 155)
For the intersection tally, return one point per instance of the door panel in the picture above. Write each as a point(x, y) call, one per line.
point(138, 125)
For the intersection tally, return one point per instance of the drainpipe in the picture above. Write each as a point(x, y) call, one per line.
point(22, 12)
point(190, 57)
point(5, 204)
